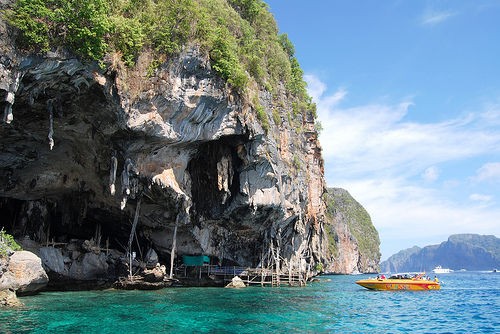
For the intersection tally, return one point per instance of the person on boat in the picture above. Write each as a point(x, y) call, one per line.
point(382, 276)
point(436, 279)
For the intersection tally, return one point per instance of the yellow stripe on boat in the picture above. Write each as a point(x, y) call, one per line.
point(399, 284)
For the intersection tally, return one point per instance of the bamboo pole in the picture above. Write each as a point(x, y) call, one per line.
point(174, 246)
point(48, 235)
point(138, 246)
point(132, 232)
point(262, 268)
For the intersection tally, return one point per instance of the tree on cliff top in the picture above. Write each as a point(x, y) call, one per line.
point(240, 36)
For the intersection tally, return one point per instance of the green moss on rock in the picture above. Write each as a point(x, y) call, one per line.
point(342, 208)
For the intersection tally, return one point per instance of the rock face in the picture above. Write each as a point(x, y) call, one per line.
point(81, 146)
point(353, 241)
point(23, 273)
point(460, 251)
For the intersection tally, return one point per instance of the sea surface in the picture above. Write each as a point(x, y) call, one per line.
point(468, 302)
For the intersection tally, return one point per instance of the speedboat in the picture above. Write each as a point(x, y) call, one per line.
point(411, 282)
point(441, 270)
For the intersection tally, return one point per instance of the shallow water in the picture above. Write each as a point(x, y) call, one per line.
point(468, 302)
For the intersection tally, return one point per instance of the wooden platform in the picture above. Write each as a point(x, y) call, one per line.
point(250, 276)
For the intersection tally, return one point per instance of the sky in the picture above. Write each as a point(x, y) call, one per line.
point(408, 95)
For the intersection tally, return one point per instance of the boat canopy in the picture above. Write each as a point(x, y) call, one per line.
point(406, 275)
point(195, 260)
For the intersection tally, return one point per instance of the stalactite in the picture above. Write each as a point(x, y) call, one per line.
point(224, 177)
point(51, 126)
point(134, 187)
point(125, 176)
point(8, 116)
point(112, 174)
point(127, 168)
point(31, 98)
point(9, 99)
point(123, 203)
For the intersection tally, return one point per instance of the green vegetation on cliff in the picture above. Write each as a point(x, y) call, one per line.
point(341, 205)
point(489, 243)
point(7, 243)
point(240, 36)
point(81, 25)
point(460, 251)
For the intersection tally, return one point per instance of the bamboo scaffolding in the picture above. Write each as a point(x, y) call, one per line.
point(131, 237)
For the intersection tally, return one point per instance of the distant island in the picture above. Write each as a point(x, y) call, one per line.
point(460, 251)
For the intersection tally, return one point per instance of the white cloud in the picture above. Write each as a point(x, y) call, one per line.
point(489, 172)
point(432, 17)
point(375, 138)
point(382, 159)
point(480, 198)
point(406, 215)
point(315, 87)
point(492, 113)
point(431, 174)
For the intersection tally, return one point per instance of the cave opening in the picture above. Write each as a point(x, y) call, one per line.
point(62, 220)
point(214, 172)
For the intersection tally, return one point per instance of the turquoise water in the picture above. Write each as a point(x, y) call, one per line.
point(467, 303)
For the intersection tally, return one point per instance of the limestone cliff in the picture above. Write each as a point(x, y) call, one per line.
point(353, 241)
point(82, 145)
point(460, 251)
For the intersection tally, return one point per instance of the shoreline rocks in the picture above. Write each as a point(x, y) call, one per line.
point(8, 298)
point(21, 274)
point(24, 273)
point(236, 282)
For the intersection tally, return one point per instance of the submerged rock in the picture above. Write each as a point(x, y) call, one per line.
point(236, 282)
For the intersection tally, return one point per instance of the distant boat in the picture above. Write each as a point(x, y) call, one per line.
point(400, 282)
point(441, 270)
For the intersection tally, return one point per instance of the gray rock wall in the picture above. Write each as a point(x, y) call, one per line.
point(353, 241)
point(81, 145)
